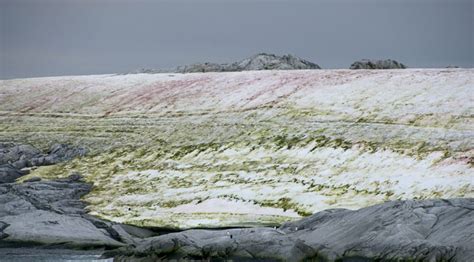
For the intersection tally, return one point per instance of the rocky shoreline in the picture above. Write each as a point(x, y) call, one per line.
point(50, 215)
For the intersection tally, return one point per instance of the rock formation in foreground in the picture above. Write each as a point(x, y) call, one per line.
point(377, 64)
point(429, 230)
point(260, 61)
point(50, 213)
point(15, 159)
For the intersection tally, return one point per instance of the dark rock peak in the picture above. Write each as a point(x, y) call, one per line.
point(377, 64)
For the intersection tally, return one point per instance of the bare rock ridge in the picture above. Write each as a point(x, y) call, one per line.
point(14, 158)
point(260, 61)
point(264, 61)
point(428, 230)
point(377, 64)
point(46, 213)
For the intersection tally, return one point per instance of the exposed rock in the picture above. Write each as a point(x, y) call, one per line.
point(273, 62)
point(14, 157)
point(429, 230)
point(8, 173)
point(377, 64)
point(59, 153)
point(260, 61)
point(17, 155)
point(204, 67)
point(50, 212)
point(3, 225)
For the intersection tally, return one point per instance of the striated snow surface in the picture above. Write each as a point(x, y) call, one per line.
point(248, 148)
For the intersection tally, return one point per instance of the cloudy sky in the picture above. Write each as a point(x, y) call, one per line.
point(71, 37)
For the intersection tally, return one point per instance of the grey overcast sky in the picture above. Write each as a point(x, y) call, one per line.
point(71, 37)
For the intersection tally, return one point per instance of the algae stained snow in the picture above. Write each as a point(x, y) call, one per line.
point(247, 148)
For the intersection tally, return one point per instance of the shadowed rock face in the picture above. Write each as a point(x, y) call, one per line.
point(260, 61)
point(429, 230)
point(377, 64)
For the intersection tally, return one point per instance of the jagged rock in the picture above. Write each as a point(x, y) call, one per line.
point(59, 153)
point(17, 155)
point(377, 64)
point(428, 230)
point(14, 157)
point(272, 62)
point(260, 61)
point(51, 212)
point(203, 67)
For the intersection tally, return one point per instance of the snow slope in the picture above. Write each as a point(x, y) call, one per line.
point(257, 147)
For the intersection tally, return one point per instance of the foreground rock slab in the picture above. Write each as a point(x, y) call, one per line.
point(428, 230)
point(51, 213)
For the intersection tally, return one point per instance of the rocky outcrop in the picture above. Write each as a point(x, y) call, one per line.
point(51, 213)
point(377, 64)
point(260, 61)
point(265, 61)
point(429, 230)
point(15, 157)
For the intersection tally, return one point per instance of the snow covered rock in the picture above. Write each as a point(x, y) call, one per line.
point(265, 61)
point(260, 61)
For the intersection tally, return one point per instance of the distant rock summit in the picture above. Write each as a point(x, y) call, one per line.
point(377, 64)
point(260, 61)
